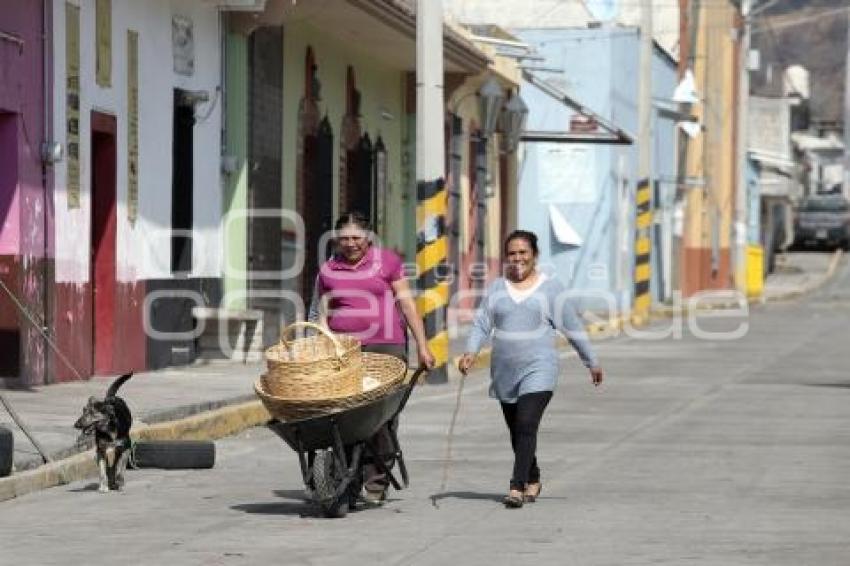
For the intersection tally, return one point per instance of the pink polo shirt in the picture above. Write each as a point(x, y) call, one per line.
point(360, 296)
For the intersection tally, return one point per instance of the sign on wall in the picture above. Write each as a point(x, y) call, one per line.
point(769, 129)
point(566, 173)
point(103, 38)
point(183, 45)
point(72, 102)
point(132, 125)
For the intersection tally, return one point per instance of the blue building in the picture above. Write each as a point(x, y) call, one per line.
point(590, 187)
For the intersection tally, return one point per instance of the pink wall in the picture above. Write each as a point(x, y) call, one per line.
point(9, 217)
point(24, 262)
point(22, 93)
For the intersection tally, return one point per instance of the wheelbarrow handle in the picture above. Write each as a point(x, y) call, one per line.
point(411, 384)
point(416, 375)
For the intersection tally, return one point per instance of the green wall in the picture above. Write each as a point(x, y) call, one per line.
point(382, 92)
point(235, 229)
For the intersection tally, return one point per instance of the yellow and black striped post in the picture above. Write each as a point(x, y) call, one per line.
point(432, 248)
point(643, 252)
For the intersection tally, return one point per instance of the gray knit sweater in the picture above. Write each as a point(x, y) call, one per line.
point(524, 357)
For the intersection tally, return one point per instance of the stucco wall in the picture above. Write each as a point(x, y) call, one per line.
point(600, 70)
point(22, 93)
point(143, 249)
point(381, 108)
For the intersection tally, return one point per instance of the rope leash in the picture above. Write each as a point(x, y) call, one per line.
point(447, 460)
point(39, 326)
point(41, 330)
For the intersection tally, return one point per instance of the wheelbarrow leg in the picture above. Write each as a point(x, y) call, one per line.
point(351, 469)
point(306, 466)
point(397, 454)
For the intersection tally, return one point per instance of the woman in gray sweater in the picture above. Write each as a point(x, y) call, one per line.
point(522, 313)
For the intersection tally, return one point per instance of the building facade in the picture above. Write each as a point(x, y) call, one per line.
point(591, 188)
point(138, 197)
point(26, 217)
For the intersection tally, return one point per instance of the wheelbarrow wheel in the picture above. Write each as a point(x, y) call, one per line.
point(326, 480)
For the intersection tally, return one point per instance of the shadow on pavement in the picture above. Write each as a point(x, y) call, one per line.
point(295, 494)
point(473, 496)
point(470, 495)
point(301, 509)
point(89, 487)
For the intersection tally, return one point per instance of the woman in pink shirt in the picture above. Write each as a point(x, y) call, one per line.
point(364, 294)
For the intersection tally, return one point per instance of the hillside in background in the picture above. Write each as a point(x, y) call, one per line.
point(811, 33)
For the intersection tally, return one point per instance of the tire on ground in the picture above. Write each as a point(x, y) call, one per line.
point(174, 454)
point(7, 451)
point(325, 482)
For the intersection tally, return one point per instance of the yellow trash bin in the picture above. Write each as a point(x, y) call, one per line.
point(755, 270)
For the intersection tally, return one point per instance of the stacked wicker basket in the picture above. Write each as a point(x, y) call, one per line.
point(322, 374)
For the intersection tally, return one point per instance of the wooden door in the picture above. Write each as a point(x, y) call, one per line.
point(103, 240)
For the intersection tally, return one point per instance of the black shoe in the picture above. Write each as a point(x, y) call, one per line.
point(532, 497)
point(513, 501)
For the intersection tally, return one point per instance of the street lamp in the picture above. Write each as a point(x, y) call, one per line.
point(513, 122)
point(490, 101)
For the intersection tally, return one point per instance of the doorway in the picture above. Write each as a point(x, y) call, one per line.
point(318, 202)
point(360, 191)
point(182, 200)
point(103, 239)
point(10, 332)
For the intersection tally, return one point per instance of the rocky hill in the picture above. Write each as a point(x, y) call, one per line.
point(811, 33)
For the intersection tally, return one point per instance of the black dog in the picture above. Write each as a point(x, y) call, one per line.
point(109, 421)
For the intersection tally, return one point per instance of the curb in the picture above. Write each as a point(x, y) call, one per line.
point(604, 329)
point(210, 425)
point(796, 293)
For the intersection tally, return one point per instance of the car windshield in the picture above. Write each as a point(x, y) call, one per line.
point(825, 205)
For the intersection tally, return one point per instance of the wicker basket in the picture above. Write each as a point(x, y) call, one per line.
point(313, 367)
point(382, 371)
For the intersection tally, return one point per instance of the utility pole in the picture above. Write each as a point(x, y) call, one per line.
point(643, 196)
point(431, 194)
point(846, 187)
point(741, 193)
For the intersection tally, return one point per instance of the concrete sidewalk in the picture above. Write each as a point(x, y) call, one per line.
point(798, 273)
point(215, 399)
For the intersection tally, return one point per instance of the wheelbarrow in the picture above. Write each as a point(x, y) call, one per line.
point(334, 449)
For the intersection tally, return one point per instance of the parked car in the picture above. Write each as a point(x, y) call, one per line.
point(823, 221)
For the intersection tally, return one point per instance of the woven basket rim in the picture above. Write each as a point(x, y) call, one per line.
point(402, 375)
point(349, 343)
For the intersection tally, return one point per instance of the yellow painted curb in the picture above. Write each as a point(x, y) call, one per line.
point(208, 425)
point(77, 467)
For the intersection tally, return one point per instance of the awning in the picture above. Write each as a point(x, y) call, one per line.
point(610, 133)
point(384, 29)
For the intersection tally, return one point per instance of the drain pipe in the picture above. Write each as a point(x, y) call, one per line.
point(46, 160)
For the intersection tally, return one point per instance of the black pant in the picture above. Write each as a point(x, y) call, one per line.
point(523, 420)
point(373, 478)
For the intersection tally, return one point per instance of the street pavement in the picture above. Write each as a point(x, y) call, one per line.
point(696, 450)
point(177, 392)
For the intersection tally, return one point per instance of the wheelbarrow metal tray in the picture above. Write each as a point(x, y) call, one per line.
point(356, 424)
